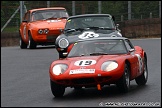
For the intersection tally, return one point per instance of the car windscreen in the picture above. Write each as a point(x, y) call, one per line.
point(89, 21)
point(46, 14)
point(98, 47)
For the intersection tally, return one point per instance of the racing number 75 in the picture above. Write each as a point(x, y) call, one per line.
point(89, 35)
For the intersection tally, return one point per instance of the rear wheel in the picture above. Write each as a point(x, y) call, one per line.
point(141, 80)
point(57, 90)
point(124, 83)
point(32, 44)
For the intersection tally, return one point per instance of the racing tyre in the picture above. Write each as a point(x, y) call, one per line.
point(23, 45)
point(57, 90)
point(142, 79)
point(32, 44)
point(124, 82)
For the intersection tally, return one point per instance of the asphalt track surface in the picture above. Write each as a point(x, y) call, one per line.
point(25, 81)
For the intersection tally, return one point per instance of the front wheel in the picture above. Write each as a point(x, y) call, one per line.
point(57, 90)
point(32, 44)
point(124, 82)
point(23, 45)
point(141, 80)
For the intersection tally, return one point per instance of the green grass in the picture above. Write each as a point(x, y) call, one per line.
point(11, 29)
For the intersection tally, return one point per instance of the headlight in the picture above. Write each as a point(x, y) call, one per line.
point(109, 65)
point(43, 31)
point(40, 31)
point(59, 69)
point(46, 31)
point(63, 43)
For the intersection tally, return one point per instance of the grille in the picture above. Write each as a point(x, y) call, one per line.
point(51, 38)
point(84, 81)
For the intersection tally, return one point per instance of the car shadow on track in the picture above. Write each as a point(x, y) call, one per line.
point(43, 47)
point(107, 91)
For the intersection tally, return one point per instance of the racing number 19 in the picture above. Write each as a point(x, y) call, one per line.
point(85, 63)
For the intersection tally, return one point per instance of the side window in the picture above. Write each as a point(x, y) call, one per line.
point(128, 44)
point(27, 16)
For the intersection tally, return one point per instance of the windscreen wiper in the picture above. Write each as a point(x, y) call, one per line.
point(51, 18)
point(73, 30)
point(103, 28)
point(76, 55)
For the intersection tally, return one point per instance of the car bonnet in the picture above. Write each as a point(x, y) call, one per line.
point(88, 62)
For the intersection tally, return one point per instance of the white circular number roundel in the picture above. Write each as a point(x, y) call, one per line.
point(140, 62)
point(85, 62)
point(88, 34)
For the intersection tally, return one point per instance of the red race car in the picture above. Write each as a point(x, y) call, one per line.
point(42, 26)
point(95, 62)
